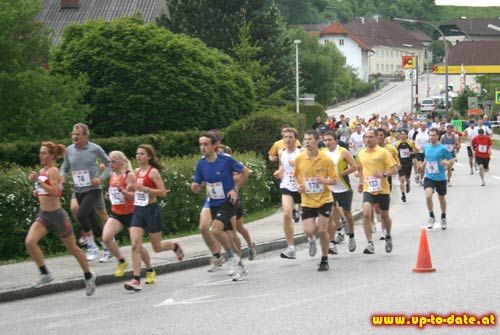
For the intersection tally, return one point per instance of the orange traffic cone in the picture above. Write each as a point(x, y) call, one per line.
point(424, 263)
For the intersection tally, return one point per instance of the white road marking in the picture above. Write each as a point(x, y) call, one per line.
point(496, 177)
point(207, 299)
point(215, 283)
point(483, 252)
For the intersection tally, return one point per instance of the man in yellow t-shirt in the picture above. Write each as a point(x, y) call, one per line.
point(278, 146)
point(375, 165)
point(314, 172)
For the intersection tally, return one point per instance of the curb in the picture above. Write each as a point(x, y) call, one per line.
point(194, 262)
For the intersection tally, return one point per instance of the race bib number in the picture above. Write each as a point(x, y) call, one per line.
point(313, 187)
point(404, 153)
point(115, 196)
point(81, 178)
point(482, 148)
point(141, 199)
point(450, 147)
point(39, 190)
point(216, 191)
point(290, 180)
point(432, 167)
point(374, 184)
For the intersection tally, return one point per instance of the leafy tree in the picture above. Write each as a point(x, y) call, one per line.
point(437, 49)
point(24, 43)
point(34, 104)
point(144, 78)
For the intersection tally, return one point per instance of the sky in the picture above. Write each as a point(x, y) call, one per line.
point(476, 3)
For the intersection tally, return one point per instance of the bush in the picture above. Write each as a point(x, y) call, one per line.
point(267, 124)
point(310, 112)
point(180, 209)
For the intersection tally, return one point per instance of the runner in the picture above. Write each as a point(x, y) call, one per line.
point(147, 214)
point(81, 157)
point(421, 139)
point(406, 150)
point(216, 171)
point(356, 142)
point(52, 218)
point(469, 133)
point(278, 146)
point(437, 158)
point(482, 150)
point(375, 165)
point(290, 195)
point(121, 196)
point(342, 192)
point(452, 144)
point(313, 170)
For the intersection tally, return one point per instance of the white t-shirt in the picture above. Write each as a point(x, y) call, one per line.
point(288, 180)
point(357, 142)
point(471, 133)
point(421, 139)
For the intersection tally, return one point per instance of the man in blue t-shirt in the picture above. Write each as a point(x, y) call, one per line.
point(216, 172)
point(437, 158)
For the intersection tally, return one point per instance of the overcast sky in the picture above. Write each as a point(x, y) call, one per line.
point(476, 3)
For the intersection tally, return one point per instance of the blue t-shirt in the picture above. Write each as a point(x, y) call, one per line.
point(218, 177)
point(434, 154)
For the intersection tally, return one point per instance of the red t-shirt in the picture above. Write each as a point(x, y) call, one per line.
point(481, 145)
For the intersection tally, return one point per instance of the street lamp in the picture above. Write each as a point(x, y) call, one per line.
point(445, 52)
point(297, 42)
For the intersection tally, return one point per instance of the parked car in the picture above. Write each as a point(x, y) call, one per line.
point(430, 103)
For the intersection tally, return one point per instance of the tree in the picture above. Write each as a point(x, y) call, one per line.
point(34, 104)
point(437, 49)
point(144, 78)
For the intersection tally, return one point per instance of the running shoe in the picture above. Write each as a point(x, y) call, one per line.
point(242, 269)
point(83, 241)
point(388, 244)
point(106, 256)
point(471, 171)
point(340, 238)
point(403, 198)
point(370, 249)
point(323, 266)
point(296, 215)
point(133, 285)
point(120, 269)
point(332, 249)
point(443, 223)
point(289, 253)
point(92, 253)
point(179, 253)
point(150, 277)
point(449, 184)
point(90, 285)
point(382, 234)
point(312, 247)
point(408, 187)
point(252, 252)
point(215, 263)
point(233, 265)
point(352, 244)
point(431, 222)
point(483, 183)
point(237, 276)
point(44, 279)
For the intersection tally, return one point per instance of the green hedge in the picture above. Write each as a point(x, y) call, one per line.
point(18, 208)
point(310, 113)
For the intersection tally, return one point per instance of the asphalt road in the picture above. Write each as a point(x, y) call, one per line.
point(396, 99)
point(290, 297)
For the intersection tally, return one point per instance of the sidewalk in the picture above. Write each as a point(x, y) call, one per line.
point(267, 234)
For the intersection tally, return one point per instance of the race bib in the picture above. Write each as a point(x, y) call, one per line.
point(289, 180)
point(374, 184)
point(450, 147)
point(141, 199)
point(432, 167)
point(313, 187)
point(404, 153)
point(115, 196)
point(39, 190)
point(81, 178)
point(482, 148)
point(216, 191)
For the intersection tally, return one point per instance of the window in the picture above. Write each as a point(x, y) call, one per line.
point(341, 42)
point(327, 41)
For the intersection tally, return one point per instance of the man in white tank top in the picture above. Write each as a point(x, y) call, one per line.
point(290, 195)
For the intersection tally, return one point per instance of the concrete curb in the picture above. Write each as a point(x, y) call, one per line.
point(194, 262)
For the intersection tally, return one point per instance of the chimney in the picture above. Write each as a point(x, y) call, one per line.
point(70, 4)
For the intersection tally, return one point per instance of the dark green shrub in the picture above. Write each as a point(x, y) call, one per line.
point(310, 112)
